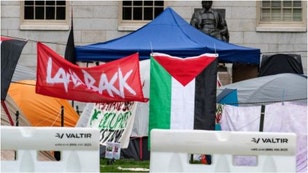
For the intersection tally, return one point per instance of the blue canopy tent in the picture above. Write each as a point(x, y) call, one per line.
point(168, 33)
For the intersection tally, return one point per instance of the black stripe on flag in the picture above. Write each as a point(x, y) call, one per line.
point(10, 53)
point(205, 98)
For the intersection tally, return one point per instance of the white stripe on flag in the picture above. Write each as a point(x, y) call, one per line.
point(182, 105)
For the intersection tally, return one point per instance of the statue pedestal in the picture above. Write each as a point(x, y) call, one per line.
point(224, 77)
point(244, 71)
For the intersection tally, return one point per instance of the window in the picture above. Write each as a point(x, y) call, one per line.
point(285, 11)
point(282, 15)
point(44, 15)
point(136, 13)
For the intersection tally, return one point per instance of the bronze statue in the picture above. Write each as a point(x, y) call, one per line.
point(210, 22)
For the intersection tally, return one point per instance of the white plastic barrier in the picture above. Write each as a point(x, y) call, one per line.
point(79, 148)
point(171, 149)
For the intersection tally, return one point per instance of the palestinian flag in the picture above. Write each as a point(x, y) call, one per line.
point(183, 92)
point(10, 53)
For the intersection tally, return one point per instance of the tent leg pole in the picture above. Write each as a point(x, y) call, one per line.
point(57, 154)
point(17, 124)
point(17, 118)
point(62, 116)
point(262, 118)
point(140, 148)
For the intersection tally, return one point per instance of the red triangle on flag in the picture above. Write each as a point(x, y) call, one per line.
point(4, 38)
point(184, 69)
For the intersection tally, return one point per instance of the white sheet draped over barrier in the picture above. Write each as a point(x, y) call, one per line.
point(279, 117)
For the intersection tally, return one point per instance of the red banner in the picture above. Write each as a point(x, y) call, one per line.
point(115, 81)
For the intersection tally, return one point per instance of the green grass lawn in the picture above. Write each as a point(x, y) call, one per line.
point(124, 165)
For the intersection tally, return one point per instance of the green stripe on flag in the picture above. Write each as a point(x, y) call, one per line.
point(160, 86)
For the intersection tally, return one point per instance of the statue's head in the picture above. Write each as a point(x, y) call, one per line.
point(207, 4)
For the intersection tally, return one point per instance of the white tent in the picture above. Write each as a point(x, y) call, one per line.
point(270, 89)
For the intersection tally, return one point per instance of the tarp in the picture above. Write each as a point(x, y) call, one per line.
point(270, 89)
point(41, 110)
point(281, 63)
point(168, 33)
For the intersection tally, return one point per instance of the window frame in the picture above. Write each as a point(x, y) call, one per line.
point(131, 25)
point(282, 26)
point(45, 24)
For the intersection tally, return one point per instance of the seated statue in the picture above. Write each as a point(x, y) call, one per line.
point(210, 22)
